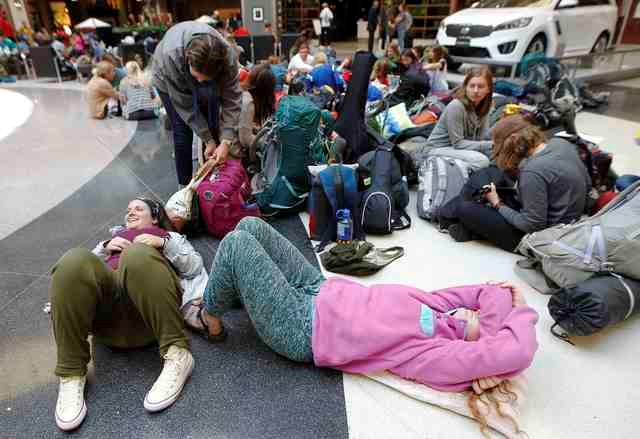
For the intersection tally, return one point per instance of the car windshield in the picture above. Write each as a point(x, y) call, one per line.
point(513, 3)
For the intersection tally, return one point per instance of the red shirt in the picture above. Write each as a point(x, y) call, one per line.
point(6, 27)
point(241, 32)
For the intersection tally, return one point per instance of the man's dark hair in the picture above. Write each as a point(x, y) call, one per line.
point(209, 56)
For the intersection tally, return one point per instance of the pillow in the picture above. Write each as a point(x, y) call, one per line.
point(394, 120)
point(457, 401)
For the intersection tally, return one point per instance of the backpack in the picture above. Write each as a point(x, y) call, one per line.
point(332, 189)
point(385, 191)
point(440, 179)
point(606, 242)
point(221, 197)
point(593, 304)
point(284, 146)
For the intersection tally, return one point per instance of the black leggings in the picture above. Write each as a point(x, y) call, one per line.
point(487, 222)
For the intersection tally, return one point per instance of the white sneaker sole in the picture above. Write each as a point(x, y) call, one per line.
point(161, 405)
point(75, 422)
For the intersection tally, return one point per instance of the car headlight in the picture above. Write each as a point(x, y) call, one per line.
point(514, 24)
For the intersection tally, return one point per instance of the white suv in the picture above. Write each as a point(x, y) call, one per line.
point(505, 30)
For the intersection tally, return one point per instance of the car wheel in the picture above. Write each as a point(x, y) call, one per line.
point(537, 45)
point(601, 43)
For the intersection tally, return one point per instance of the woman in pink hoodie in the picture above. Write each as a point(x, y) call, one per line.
point(451, 339)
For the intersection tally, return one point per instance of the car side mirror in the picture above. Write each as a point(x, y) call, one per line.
point(564, 4)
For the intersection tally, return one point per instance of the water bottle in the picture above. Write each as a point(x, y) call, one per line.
point(345, 226)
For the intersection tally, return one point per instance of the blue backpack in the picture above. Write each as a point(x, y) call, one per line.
point(334, 188)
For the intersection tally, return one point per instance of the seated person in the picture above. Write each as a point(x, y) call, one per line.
point(302, 61)
point(462, 132)
point(6, 43)
point(380, 73)
point(450, 340)
point(258, 103)
point(100, 90)
point(120, 71)
point(128, 292)
point(436, 69)
point(410, 63)
point(136, 95)
point(553, 186)
point(279, 71)
point(323, 74)
point(393, 56)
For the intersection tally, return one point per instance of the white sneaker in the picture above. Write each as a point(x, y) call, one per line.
point(178, 365)
point(71, 408)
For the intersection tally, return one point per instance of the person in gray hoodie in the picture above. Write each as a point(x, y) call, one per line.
point(462, 132)
point(196, 75)
point(553, 186)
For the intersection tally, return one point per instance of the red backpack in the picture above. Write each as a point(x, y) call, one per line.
point(222, 195)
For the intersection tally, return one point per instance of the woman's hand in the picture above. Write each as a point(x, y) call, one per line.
point(148, 239)
point(482, 384)
point(517, 297)
point(117, 245)
point(218, 153)
point(492, 196)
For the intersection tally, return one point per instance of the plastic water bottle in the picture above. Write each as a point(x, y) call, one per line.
point(345, 226)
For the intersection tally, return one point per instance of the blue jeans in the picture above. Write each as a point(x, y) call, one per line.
point(402, 33)
point(205, 101)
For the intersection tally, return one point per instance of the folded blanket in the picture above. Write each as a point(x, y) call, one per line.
point(457, 401)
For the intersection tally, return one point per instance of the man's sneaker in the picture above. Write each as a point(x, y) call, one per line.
point(71, 408)
point(178, 365)
point(460, 233)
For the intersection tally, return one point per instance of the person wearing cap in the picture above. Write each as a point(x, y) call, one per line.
point(196, 74)
point(132, 290)
point(553, 186)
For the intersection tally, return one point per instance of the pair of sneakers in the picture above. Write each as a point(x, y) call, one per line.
point(71, 408)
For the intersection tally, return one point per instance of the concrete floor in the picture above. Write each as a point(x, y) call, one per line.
point(65, 190)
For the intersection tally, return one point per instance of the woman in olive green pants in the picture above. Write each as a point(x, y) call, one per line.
point(127, 293)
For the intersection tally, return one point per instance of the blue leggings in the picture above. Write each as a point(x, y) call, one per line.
point(274, 282)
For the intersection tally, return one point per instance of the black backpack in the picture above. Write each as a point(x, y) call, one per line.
point(385, 191)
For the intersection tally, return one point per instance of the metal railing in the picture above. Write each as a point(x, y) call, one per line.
point(586, 60)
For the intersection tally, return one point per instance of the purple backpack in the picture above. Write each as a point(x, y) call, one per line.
point(222, 195)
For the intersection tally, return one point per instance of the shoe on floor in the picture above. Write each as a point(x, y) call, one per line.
point(178, 365)
point(71, 408)
point(460, 233)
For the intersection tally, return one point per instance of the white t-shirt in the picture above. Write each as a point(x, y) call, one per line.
point(298, 63)
point(326, 17)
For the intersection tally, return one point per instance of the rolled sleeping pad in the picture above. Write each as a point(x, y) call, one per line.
point(594, 304)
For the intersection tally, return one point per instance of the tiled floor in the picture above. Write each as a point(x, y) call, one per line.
point(241, 389)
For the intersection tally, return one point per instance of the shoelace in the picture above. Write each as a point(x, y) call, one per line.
point(69, 387)
point(170, 371)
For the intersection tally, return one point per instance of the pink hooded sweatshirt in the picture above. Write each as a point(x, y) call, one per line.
point(405, 330)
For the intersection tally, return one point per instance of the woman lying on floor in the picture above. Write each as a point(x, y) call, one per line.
point(462, 132)
point(553, 186)
point(128, 292)
point(452, 339)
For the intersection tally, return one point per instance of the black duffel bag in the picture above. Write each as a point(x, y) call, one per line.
point(594, 304)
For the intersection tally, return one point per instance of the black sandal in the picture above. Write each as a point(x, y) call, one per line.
point(204, 331)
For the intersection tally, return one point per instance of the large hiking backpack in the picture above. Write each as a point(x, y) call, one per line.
point(606, 242)
point(332, 189)
point(285, 146)
point(385, 191)
point(222, 198)
point(351, 124)
point(440, 179)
